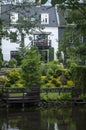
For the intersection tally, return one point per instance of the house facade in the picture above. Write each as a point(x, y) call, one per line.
point(41, 29)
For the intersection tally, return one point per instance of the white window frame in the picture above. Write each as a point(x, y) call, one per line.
point(13, 17)
point(44, 18)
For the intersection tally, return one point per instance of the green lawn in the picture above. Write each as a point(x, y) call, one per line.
point(55, 96)
point(16, 95)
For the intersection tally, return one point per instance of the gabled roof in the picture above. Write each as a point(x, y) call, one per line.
point(26, 11)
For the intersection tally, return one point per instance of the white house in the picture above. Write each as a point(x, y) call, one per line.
point(46, 17)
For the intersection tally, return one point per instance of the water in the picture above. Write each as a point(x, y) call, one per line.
point(57, 118)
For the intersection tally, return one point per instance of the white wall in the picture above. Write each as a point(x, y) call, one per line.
point(7, 46)
point(53, 38)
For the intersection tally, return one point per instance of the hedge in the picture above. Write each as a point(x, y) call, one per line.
point(79, 77)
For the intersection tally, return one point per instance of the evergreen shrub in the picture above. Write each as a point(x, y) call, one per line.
point(12, 63)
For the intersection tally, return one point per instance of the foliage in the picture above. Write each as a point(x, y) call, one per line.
point(55, 75)
point(31, 72)
point(24, 28)
point(55, 82)
point(3, 80)
point(1, 58)
point(51, 54)
point(79, 77)
point(70, 83)
point(20, 54)
point(82, 97)
point(52, 1)
point(44, 69)
point(12, 63)
point(73, 48)
point(55, 96)
point(14, 78)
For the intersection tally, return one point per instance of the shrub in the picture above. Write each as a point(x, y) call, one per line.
point(31, 67)
point(79, 77)
point(70, 83)
point(66, 96)
point(55, 82)
point(50, 72)
point(48, 85)
point(44, 69)
point(82, 96)
point(67, 74)
point(3, 80)
point(12, 63)
point(57, 73)
point(46, 80)
point(13, 76)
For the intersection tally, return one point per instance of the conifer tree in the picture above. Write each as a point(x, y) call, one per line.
point(31, 67)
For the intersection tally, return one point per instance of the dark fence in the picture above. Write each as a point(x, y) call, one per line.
point(20, 95)
point(47, 90)
point(75, 92)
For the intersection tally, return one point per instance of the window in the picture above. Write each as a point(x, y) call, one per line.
point(14, 17)
point(44, 18)
point(13, 54)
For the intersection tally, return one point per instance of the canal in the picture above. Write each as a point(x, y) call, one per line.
point(57, 118)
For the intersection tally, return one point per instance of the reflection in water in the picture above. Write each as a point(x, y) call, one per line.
point(72, 118)
point(55, 126)
point(6, 126)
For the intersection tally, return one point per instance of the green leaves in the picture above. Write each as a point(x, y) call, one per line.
point(31, 67)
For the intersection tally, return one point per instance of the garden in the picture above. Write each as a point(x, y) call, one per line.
point(51, 75)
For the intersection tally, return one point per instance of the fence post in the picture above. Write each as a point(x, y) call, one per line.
point(23, 99)
point(7, 105)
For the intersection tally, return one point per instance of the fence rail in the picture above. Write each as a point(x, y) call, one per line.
point(20, 95)
point(57, 90)
point(33, 95)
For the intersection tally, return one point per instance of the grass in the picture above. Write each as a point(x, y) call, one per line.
point(16, 95)
point(55, 96)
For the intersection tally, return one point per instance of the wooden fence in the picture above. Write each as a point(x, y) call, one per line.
point(75, 92)
point(20, 95)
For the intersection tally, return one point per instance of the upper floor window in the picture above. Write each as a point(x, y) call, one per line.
point(14, 17)
point(44, 18)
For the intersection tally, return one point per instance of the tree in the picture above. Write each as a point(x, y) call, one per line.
point(24, 24)
point(20, 53)
point(1, 56)
point(31, 67)
point(74, 12)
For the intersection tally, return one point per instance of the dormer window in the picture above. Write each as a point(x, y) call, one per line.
point(14, 17)
point(44, 18)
